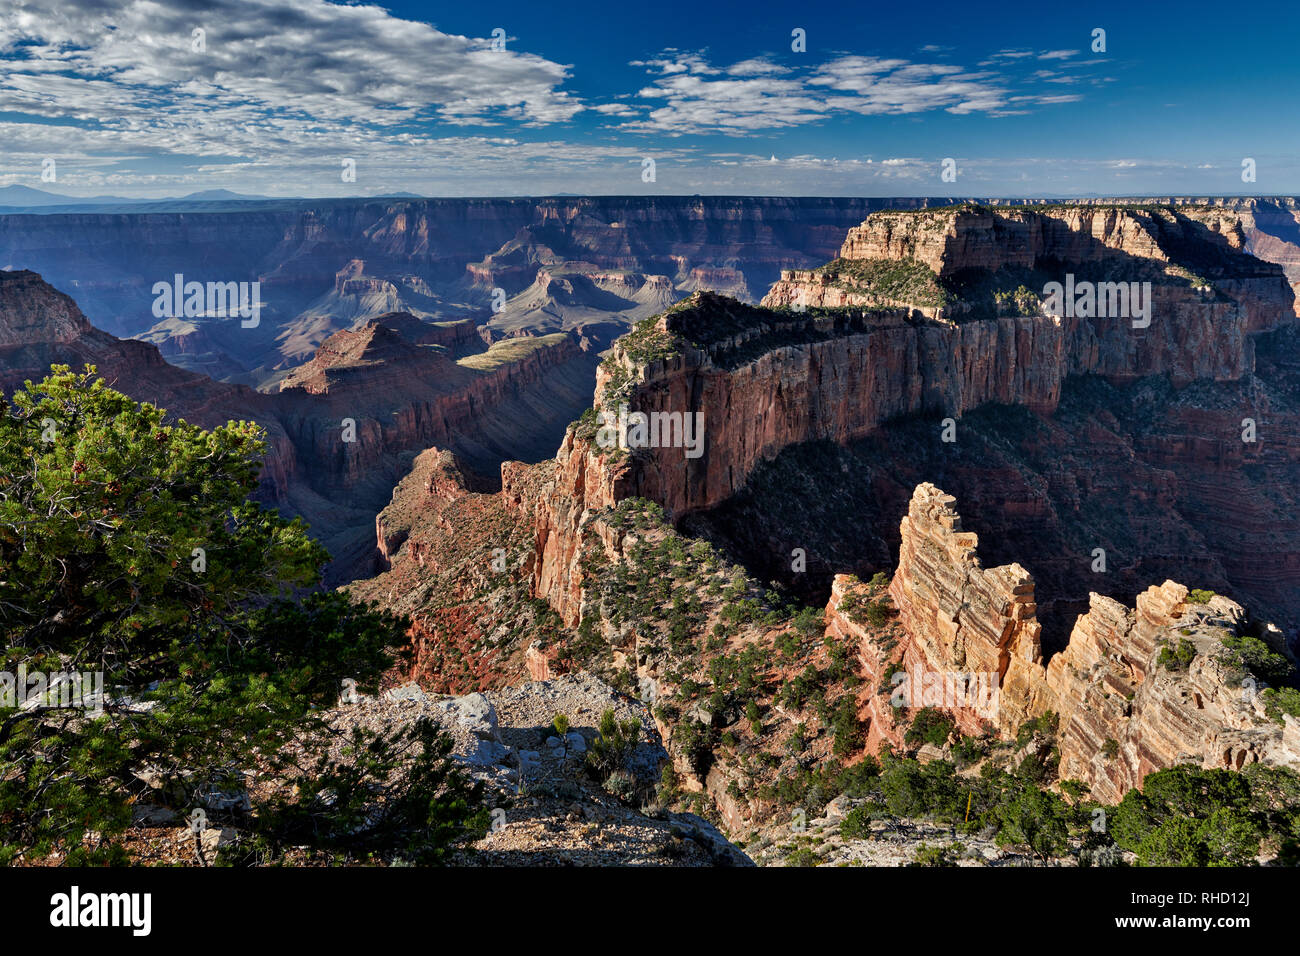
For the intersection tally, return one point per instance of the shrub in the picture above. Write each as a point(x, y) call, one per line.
point(802, 856)
point(856, 824)
point(1281, 700)
point(1255, 656)
point(1178, 657)
point(849, 730)
point(614, 745)
point(930, 726)
point(1187, 816)
point(927, 855)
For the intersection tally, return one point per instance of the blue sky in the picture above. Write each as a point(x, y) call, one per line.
point(125, 98)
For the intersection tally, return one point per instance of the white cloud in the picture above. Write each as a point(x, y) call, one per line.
point(132, 63)
point(757, 66)
point(757, 94)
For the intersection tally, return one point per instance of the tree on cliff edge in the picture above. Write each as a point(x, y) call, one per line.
point(128, 547)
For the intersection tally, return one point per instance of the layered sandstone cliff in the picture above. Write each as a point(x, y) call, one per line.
point(1123, 713)
point(766, 379)
point(763, 380)
point(975, 620)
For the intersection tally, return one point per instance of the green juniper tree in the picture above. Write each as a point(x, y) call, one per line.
point(128, 546)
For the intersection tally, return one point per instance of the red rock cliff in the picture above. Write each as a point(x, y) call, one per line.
point(1122, 713)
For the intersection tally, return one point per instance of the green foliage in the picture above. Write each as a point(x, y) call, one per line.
point(1033, 818)
point(399, 797)
point(1018, 301)
point(802, 856)
point(850, 732)
point(895, 280)
point(927, 855)
point(803, 688)
point(930, 726)
point(1199, 596)
point(613, 748)
point(1179, 657)
point(862, 610)
point(560, 724)
point(1187, 816)
point(856, 824)
point(1253, 655)
point(1044, 725)
point(809, 621)
point(98, 526)
point(213, 669)
point(1281, 700)
point(695, 740)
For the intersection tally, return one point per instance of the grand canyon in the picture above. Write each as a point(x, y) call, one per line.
point(439, 448)
point(916, 475)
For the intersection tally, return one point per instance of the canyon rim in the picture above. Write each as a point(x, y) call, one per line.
point(443, 446)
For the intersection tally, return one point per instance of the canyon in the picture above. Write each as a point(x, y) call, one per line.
point(343, 428)
point(870, 386)
point(920, 356)
point(325, 265)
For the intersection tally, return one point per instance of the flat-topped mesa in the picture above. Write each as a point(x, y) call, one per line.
point(1124, 710)
point(761, 379)
point(969, 261)
point(758, 380)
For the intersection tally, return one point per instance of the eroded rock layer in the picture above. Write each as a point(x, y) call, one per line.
point(1123, 711)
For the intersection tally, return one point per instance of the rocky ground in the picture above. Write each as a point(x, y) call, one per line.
point(547, 809)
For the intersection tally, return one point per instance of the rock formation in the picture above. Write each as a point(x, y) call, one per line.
point(768, 379)
point(325, 264)
point(398, 380)
point(977, 620)
point(1122, 712)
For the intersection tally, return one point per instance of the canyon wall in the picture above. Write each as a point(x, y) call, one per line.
point(1122, 713)
point(764, 379)
point(401, 396)
point(768, 379)
point(785, 377)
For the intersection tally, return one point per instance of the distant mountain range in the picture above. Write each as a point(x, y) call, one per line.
point(25, 199)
